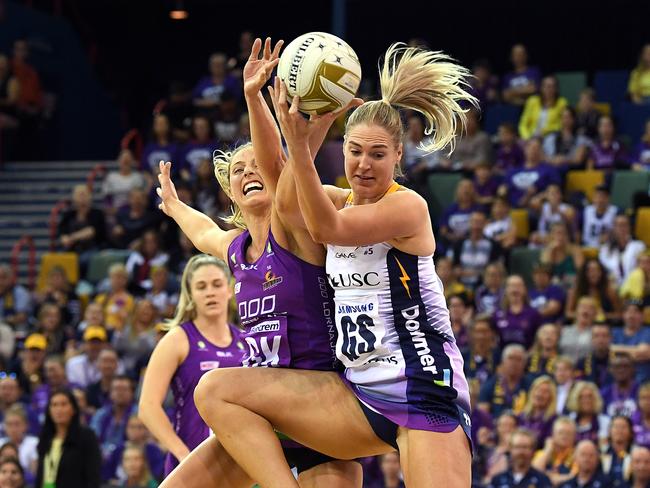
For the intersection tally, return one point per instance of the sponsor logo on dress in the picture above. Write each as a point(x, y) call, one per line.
point(271, 280)
point(237, 287)
point(248, 267)
point(201, 345)
point(224, 354)
point(208, 365)
point(350, 280)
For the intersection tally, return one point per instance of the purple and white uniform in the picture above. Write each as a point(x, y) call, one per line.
point(285, 308)
point(203, 356)
point(395, 337)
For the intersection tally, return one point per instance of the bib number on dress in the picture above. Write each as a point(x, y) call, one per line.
point(360, 330)
point(268, 344)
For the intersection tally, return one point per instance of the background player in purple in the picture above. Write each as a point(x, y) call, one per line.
point(199, 339)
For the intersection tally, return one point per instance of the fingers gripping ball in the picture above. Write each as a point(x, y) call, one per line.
point(323, 70)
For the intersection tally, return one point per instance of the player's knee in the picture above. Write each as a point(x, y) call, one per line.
point(207, 391)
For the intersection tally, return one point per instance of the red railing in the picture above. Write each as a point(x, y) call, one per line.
point(54, 221)
point(25, 240)
point(158, 108)
point(98, 170)
point(133, 137)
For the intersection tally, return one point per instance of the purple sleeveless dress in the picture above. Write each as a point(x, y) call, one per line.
point(203, 356)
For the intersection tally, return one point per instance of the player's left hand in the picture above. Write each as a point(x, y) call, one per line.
point(257, 71)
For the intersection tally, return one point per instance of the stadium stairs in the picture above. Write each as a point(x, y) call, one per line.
point(28, 193)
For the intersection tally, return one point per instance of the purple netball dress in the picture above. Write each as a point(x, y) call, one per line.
point(203, 356)
point(285, 307)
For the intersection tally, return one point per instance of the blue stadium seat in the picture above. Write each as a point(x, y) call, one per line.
point(631, 119)
point(611, 86)
point(495, 115)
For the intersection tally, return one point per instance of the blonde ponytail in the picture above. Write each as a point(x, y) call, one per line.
point(428, 82)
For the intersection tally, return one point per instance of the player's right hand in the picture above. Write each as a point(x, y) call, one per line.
point(166, 191)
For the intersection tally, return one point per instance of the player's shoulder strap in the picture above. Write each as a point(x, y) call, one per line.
point(391, 189)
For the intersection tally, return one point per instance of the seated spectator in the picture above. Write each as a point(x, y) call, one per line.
point(454, 223)
point(606, 152)
point(118, 303)
point(615, 460)
point(489, 294)
point(544, 351)
point(93, 315)
point(68, 452)
point(136, 470)
point(553, 211)
point(481, 357)
point(97, 393)
point(200, 147)
point(563, 374)
point(566, 148)
point(138, 338)
point(637, 285)
point(593, 282)
point(498, 449)
point(595, 366)
point(620, 396)
point(207, 193)
point(486, 183)
point(7, 343)
point(208, 91)
point(524, 183)
point(641, 418)
point(59, 292)
point(539, 413)
point(9, 95)
point(484, 85)
point(82, 229)
point(500, 228)
point(619, 254)
point(586, 409)
point(180, 254)
point(588, 466)
point(542, 113)
point(545, 297)
point(564, 257)
point(12, 474)
point(639, 85)
point(451, 285)
point(598, 218)
point(161, 146)
point(109, 423)
point(640, 467)
point(15, 300)
point(55, 379)
point(16, 432)
point(460, 316)
point(509, 154)
point(86, 411)
point(58, 336)
point(521, 471)
point(133, 220)
point(236, 63)
point(118, 185)
point(82, 369)
point(634, 339)
point(30, 97)
point(141, 260)
point(523, 81)
point(507, 389)
point(641, 155)
point(516, 321)
point(137, 435)
point(226, 125)
point(575, 340)
point(416, 162)
point(162, 294)
point(475, 252)
point(28, 365)
point(557, 459)
point(473, 145)
point(11, 394)
point(587, 114)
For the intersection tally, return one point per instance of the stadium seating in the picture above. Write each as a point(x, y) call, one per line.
point(69, 261)
point(521, 262)
point(442, 190)
point(611, 86)
point(520, 220)
point(102, 261)
point(631, 119)
point(642, 226)
point(584, 181)
point(571, 84)
point(625, 184)
point(496, 115)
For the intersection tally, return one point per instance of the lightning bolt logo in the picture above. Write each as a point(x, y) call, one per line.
point(404, 278)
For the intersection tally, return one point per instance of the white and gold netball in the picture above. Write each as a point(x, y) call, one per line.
point(323, 70)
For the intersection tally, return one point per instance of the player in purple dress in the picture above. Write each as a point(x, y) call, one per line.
point(199, 340)
point(280, 284)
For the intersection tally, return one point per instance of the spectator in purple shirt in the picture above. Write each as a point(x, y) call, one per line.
point(539, 413)
point(486, 183)
point(523, 80)
point(523, 184)
point(55, 378)
point(620, 396)
point(585, 407)
point(516, 321)
point(641, 155)
point(488, 295)
point(208, 91)
point(641, 419)
point(200, 147)
point(481, 357)
point(545, 297)
point(160, 147)
point(454, 224)
point(606, 152)
point(484, 84)
point(133, 220)
point(509, 154)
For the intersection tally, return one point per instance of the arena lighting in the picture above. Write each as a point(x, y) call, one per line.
point(178, 12)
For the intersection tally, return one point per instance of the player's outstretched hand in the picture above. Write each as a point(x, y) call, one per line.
point(257, 71)
point(166, 191)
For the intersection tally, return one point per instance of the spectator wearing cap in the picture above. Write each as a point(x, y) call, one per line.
point(598, 218)
point(521, 472)
point(16, 432)
point(508, 387)
point(97, 394)
point(28, 365)
point(575, 340)
point(594, 367)
point(109, 422)
point(15, 300)
point(619, 254)
point(620, 396)
point(118, 304)
point(82, 369)
point(641, 417)
point(588, 465)
point(634, 339)
point(547, 298)
point(55, 379)
point(543, 113)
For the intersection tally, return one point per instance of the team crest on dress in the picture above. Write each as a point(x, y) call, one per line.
point(201, 345)
point(271, 280)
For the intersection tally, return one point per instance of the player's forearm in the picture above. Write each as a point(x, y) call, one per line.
point(154, 417)
point(193, 223)
point(265, 135)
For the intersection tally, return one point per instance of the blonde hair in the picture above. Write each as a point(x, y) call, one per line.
point(428, 82)
point(145, 476)
point(574, 397)
point(550, 409)
point(222, 161)
point(185, 309)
